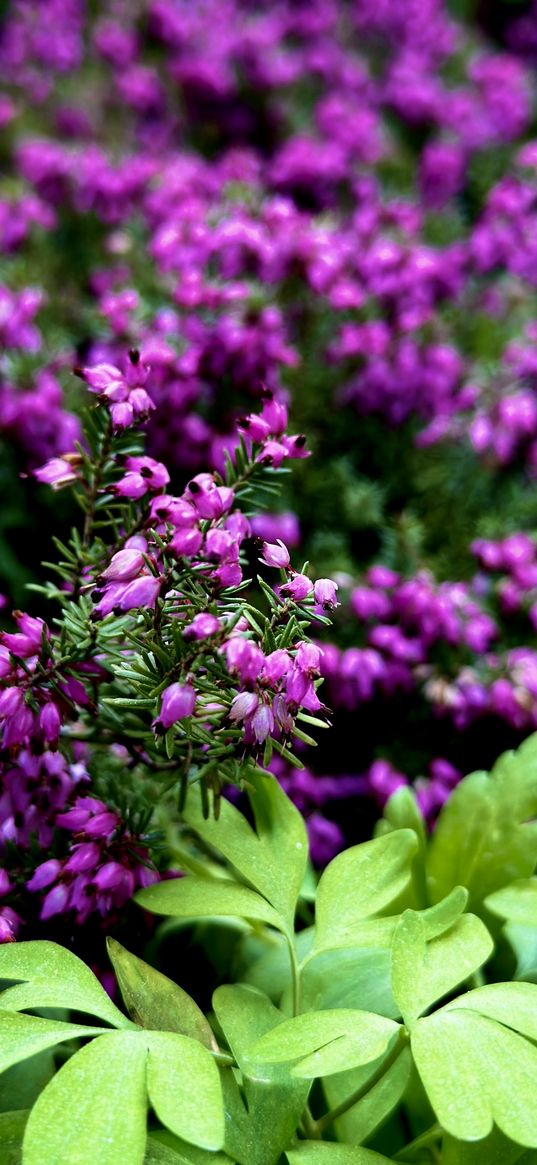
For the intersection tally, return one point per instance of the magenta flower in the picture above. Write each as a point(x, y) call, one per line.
point(178, 701)
point(275, 554)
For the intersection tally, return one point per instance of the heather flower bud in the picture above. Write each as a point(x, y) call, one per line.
point(142, 592)
point(55, 902)
point(275, 554)
point(324, 591)
point(243, 705)
point(201, 626)
point(57, 473)
point(124, 566)
point(298, 587)
point(44, 875)
point(178, 701)
point(50, 722)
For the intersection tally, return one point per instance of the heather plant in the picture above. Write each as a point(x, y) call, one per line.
point(371, 1017)
point(162, 673)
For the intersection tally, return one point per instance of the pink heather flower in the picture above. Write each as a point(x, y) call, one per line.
point(143, 474)
point(186, 543)
point(201, 626)
point(83, 857)
point(124, 566)
point(276, 665)
point(298, 587)
point(308, 657)
point(44, 875)
point(8, 925)
point(262, 722)
point(243, 658)
point(142, 592)
point(50, 722)
point(178, 701)
point(5, 884)
point(243, 705)
point(55, 902)
point(58, 473)
point(275, 554)
point(122, 415)
point(324, 591)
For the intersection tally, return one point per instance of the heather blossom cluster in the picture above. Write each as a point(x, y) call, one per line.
point(205, 677)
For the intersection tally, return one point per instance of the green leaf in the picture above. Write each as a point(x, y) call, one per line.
point(516, 902)
point(423, 972)
point(24, 1035)
point(486, 834)
point(360, 883)
point(443, 914)
point(476, 1073)
point(94, 1109)
point(314, 1153)
point(273, 857)
point(178, 1153)
point(21, 1084)
point(496, 1149)
point(361, 1121)
point(156, 1002)
point(513, 1004)
point(349, 978)
point(274, 1099)
point(52, 976)
point(323, 1042)
point(193, 897)
point(184, 1088)
point(12, 1126)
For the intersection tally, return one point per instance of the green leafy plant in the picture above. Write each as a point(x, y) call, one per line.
point(383, 1028)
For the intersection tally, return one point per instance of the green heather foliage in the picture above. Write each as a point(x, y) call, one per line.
point(396, 1023)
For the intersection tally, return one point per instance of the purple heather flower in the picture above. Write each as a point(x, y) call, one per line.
point(298, 587)
point(178, 701)
point(275, 554)
point(324, 591)
point(44, 874)
point(243, 705)
point(124, 566)
point(202, 626)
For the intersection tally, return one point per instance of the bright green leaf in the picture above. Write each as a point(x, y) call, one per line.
point(327, 1041)
point(314, 1153)
point(273, 857)
point(513, 1004)
point(443, 914)
point(21, 1084)
point(516, 902)
point(359, 883)
point(184, 1088)
point(423, 972)
point(476, 1073)
point(94, 1109)
point(154, 1001)
point(12, 1126)
point(358, 978)
point(496, 1149)
point(486, 834)
point(51, 976)
point(193, 897)
point(25, 1035)
point(186, 1155)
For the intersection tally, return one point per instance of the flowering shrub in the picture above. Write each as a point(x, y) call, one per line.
point(159, 660)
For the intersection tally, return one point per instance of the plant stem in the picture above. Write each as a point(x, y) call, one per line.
point(295, 972)
point(324, 1122)
point(425, 1140)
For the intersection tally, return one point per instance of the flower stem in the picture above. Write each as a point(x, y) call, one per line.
point(324, 1122)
